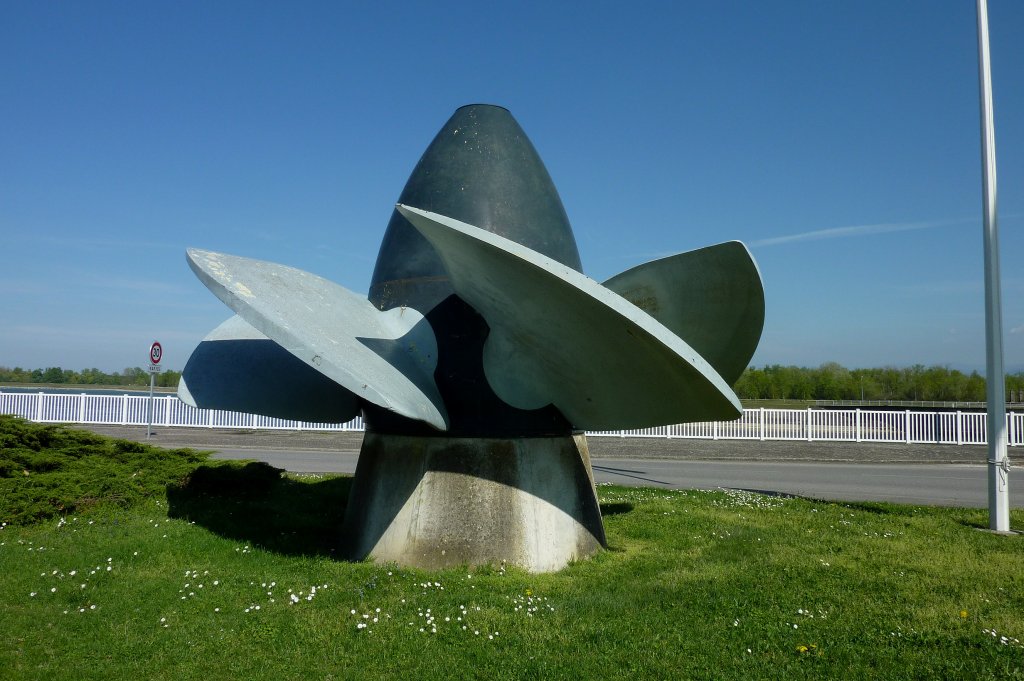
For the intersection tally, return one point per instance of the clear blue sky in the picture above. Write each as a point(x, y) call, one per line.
point(839, 140)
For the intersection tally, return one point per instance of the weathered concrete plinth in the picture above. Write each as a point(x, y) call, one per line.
point(434, 502)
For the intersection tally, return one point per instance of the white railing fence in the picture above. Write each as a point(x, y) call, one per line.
point(843, 425)
point(133, 410)
point(847, 425)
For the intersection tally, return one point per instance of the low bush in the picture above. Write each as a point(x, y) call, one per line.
point(47, 470)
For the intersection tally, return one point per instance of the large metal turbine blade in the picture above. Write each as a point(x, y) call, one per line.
point(235, 364)
point(387, 358)
point(711, 297)
point(560, 337)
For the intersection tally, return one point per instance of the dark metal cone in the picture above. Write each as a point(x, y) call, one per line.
point(480, 169)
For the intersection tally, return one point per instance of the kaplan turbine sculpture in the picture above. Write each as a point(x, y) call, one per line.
point(480, 356)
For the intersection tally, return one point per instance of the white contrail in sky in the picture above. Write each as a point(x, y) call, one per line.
point(856, 230)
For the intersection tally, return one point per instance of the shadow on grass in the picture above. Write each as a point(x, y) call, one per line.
point(883, 508)
point(876, 507)
point(615, 508)
point(976, 524)
point(777, 495)
point(254, 503)
point(979, 519)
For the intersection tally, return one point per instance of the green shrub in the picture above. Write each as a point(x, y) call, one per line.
point(51, 470)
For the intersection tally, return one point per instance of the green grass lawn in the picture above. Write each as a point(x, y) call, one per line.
point(227, 571)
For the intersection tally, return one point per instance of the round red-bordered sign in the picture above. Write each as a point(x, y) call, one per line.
point(156, 352)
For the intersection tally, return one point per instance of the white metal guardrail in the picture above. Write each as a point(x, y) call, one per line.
point(132, 410)
point(843, 425)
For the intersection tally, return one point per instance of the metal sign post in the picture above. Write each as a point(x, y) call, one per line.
point(156, 353)
point(998, 463)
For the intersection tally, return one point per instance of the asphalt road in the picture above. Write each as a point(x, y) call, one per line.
point(847, 471)
point(923, 484)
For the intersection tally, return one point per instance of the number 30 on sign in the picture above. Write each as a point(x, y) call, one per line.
point(156, 352)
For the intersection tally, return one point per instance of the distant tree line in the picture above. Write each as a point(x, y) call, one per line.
point(131, 376)
point(832, 381)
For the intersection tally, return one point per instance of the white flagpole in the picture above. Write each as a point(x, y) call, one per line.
point(998, 463)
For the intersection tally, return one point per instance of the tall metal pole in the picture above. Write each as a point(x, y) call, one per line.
point(149, 406)
point(998, 463)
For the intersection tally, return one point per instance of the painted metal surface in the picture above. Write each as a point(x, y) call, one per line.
point(488, 329)
point(482, 169)
point(999, 465)
point(386, 358)
point(559, 337)
point(235, 363)
point(712, 298)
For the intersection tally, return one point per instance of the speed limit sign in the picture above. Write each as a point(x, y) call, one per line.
point(156, 352)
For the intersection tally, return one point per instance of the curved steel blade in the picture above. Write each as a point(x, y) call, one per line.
point(385, 357)
point(237, 368)
point(559, 337)
point(711, 297)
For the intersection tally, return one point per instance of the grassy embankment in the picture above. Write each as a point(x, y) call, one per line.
point(121, 561)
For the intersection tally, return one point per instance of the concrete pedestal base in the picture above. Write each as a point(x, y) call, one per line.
point(434, 502)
